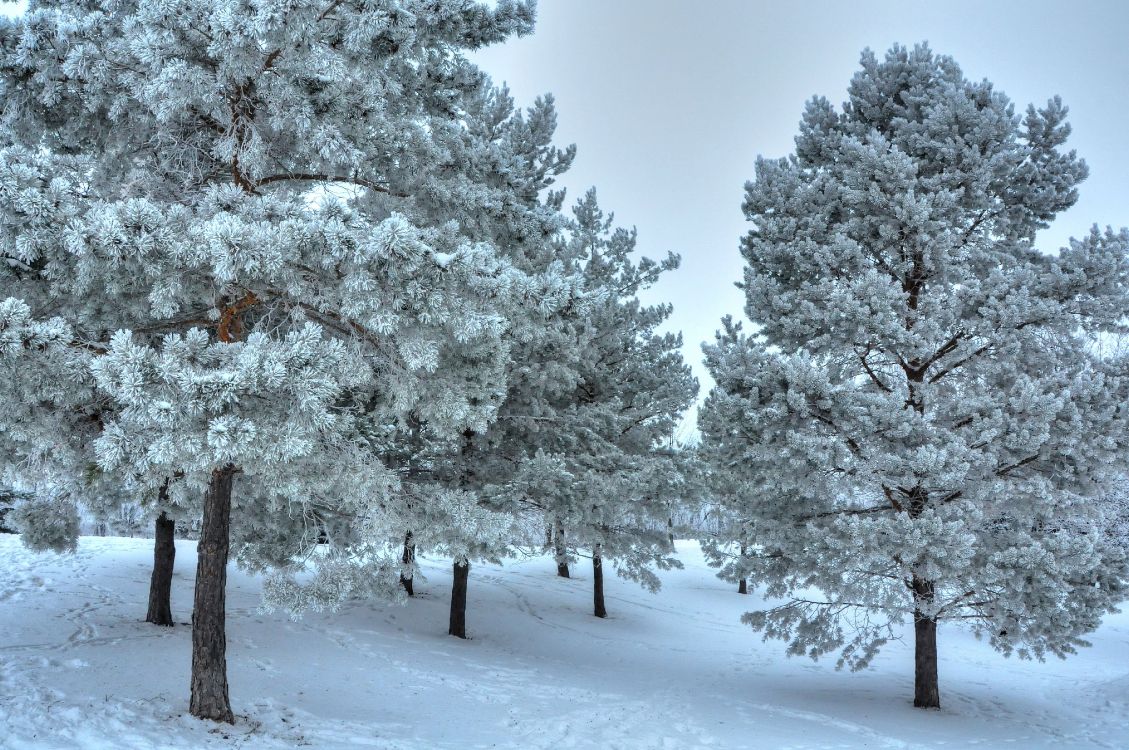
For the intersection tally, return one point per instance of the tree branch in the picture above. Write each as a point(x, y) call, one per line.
point(309, 177)
point(866, 366)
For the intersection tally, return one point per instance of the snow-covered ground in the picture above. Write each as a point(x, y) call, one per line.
point(78, 669)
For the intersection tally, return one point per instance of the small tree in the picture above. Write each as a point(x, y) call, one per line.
point(606, 393)
point(921, 415)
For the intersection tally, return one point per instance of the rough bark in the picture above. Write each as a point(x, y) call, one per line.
point(598, 583)
point(561, 550)
point(209, 641)
point(408, 558)
point(457, 626)
point(160, 583)
point(926, 691)
point(743, 584)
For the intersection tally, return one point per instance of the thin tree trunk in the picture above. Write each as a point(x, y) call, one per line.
point(409, 559)
point(209, 641)
point(743, 584)
point(670, 531)
point(562, 551)
point(926, 692)
point(160, 584)
point(598, 583)
point(457, 627)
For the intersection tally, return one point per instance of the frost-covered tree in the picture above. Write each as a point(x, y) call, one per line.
point(501, 193)
point(590, 407)
point(920, 415)
point(244, 251)
point(734, 536)
point(51, 415)
point(55, 413)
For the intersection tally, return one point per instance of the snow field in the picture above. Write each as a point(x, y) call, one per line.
point(79, 669)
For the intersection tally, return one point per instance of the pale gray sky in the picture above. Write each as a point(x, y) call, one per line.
point(670, 102)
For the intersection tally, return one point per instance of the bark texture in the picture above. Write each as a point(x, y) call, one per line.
point(743, 584)
point(561, 550)
point(160, 583)
point(926, 690)
point(209, 640)
point(598, 584)
point(457, 626)
point(408, 558)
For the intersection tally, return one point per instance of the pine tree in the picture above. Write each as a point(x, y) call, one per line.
point(921, 416)
point(247, 261)
point(728, 549)
point(447, 501)
point(597, 397)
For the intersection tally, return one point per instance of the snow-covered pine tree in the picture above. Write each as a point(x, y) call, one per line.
point(729, 546)
point(593, 404)
point(511, 165)
point(496, 189)
point(55, 413)
point(263, 321)
point(921, 414)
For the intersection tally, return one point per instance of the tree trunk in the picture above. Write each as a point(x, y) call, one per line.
point(408, 558)
point(160, 584)
point(598, 583)
point(562, 551)
point(743, 584)
point(670, 531)
point(209, 641)
point(457, 627)
point(926, 692)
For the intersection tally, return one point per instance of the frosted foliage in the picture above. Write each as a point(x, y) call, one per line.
point(192, 404)
point(921, 403)
point(39, 365)
point(46, 523)
point(583, 438)
point(216, 258)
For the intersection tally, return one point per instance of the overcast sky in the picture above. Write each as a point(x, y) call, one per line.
point(670, 103)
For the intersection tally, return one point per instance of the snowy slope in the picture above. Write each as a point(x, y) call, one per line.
point(675, 670)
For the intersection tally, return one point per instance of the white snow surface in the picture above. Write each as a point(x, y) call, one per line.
point(79, 669)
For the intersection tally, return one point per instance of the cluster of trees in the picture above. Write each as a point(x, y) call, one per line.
point(298, 272)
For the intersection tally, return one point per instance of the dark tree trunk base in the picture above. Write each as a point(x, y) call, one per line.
point(561, 551)
point(407, 558)
point(598, 584)
point(743, 584)
point(457, 625)
point(926, 690)
point(160, 584)
point(210, 698)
